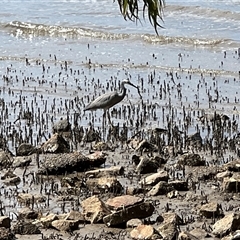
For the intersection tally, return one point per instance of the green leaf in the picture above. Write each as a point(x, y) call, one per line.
point(154, 8)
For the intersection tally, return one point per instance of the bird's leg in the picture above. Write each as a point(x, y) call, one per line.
point(104, 118)
point(109, 118)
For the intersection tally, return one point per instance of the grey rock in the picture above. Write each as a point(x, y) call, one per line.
point(69, 162)
point(25, 149)
point(104, 184)
point(186, 236)
point(47, 220)
point(147, 165)
point(56, 144)
point(153, 179)
point(194, 140)
point(231, 184)
point(123, 201)
point(191, 159)
point(27, 213)
point(179, 185)
point(144, 232)
point(6, 234)
point(65, 225)
point(62, 125)
point(21, 161)
point(5, 222)
point(25, 228)
point(94, 209)
point(140, 210)
point(10, 178)
point(161, 188)
point(6, 160)
point(75, 216)
point(103, 172)
point(230, 222)
point(211, 210)
point(169, 227)
point(134, 222)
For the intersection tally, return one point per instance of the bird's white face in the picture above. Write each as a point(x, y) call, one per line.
point(126, 81)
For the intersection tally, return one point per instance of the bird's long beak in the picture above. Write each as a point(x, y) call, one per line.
point(132, 85)
point(136, 88)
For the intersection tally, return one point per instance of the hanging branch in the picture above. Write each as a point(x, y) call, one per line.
point(154, 8)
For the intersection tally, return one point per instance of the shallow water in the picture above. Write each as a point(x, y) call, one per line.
point(46, 48)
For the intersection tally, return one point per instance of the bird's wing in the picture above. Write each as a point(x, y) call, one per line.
point(106, 100)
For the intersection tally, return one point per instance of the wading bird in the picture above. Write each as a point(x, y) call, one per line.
point(108, 100)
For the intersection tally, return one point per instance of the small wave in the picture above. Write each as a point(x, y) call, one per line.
point(25, 28)
point(204, 12)
point(182, 40)
point(30, 29)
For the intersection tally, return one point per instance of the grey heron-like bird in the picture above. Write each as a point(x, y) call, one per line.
point(108, 100)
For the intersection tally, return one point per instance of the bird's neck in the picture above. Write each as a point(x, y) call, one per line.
point(123, 91)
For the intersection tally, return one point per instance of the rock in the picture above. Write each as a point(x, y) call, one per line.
point(211, 210)
point(6, 234)
point(235, 235)
point(25, 228)
point(6, 160)
point(57, 164)
point(25, 149)
point(56, 144)
point(143, 232)
point(147, 165)
point(75, 216)
point(65, 225)
point(233, 166)
point(153, 179)
point(134, 222)
point(92, 135)
point(199, 233)
point(160, 160)
point(10, 178)
point(133, 143)
point(101, 146)
point(94, 209)
point(78, 133)
point(134, 190)
point(168, 231)
point(124, 201)
point(173, 194)
point(47, 220)
point(62, 125)
point(191, 159)
point(101, 172)
point(73, 182)
point(21, 161)
point(228, 237)
point(136, 159)
point(224, 174)
point(27, 213)
point(173, 218)
point(194, 140)
point(161, 188)
point(230, 222)
point(97, 157)
point(169, 227)
point(109, 184)
point(145, 146)
point(179, 185)
point(186, 236)
point(5, 222)
point(119, 217)
point(27, 198)
point(231, 184)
